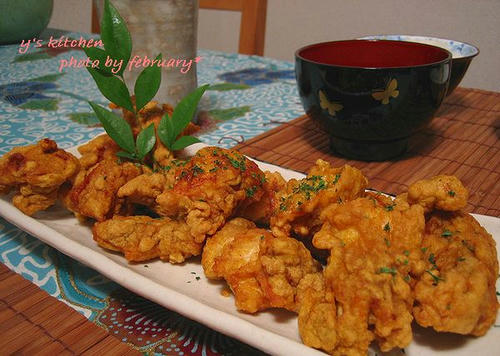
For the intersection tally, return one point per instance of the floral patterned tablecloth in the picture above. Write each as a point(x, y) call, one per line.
point(251, 95)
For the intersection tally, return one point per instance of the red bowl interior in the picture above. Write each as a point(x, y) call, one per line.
point(373, 53)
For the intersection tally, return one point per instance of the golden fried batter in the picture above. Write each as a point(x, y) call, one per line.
point(317, 313)
point(142, 238)
point(299, 204)
point(94, 194)
point(457, 292)
point(99, 148)
point(209, 188)
point(261, 211)
point(262, 271)
point(374, 253)
point(145, 188)
point(440, 192)
point(36, 172)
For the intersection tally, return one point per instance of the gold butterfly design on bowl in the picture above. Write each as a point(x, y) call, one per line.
point(326, 104)
point(390, 91)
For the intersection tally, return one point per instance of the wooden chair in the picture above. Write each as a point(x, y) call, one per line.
point(252, 26)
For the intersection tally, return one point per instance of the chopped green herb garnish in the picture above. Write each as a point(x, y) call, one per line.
point(407, 278)
point(336, 179)
point(432, 260)
point(213, 170)
point(262, 237)
point(434, 277)
point(388, 270)
point(387, 227)
point(251, 191)
point(460, 259)
point(282, 207)
point(387, 242)
point(451, 193)
point(390, 207)
point(406, 253)
point(446, 233)
point(197, 170)
point(193, 272)
point(424, 249)
point(405, 262)
point(198, 278)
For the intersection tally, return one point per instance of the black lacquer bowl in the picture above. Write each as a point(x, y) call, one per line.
point(371, 95)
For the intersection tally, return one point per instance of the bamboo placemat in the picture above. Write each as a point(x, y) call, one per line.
point(463, 139)
point(34, 323)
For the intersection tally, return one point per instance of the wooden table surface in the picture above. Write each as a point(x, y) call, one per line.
point(462, 140)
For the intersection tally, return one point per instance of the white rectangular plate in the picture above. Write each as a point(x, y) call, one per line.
point(274, 332)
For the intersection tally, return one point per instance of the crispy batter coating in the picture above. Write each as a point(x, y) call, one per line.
point(99, 148)
point(36, 172)
point(94, 193)
point(209, 188)
point(374, 252)
point(300, 202)
point(457, 292)
point(145, 188)
point(317, 313)
point(142, 238)
point(261, 270)
point(261, 211)
point(440, 192)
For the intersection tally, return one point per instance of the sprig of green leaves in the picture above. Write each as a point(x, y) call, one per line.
point(118, 47)
point(121, 132)
point(170, 128)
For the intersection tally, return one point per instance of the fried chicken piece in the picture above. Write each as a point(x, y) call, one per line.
point(261, 270)
point(300, 202)
point(36, 172)
point(145, 188)
point(440, 192)
point(317, 313)
point(374, 252)
point(141, 238)
point(209, 189)
point(261, 211)
point(457, 292)
point(99, 148)
point(94, 194)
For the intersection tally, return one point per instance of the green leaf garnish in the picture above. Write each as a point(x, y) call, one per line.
point(113, 88)
point(116, 127)
point(118, 47)
point(183, 142)
point(147, 85)
point(185, 109)
point(145, 141)
point(127, 155)
point(170, 128)
point(115, 35)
